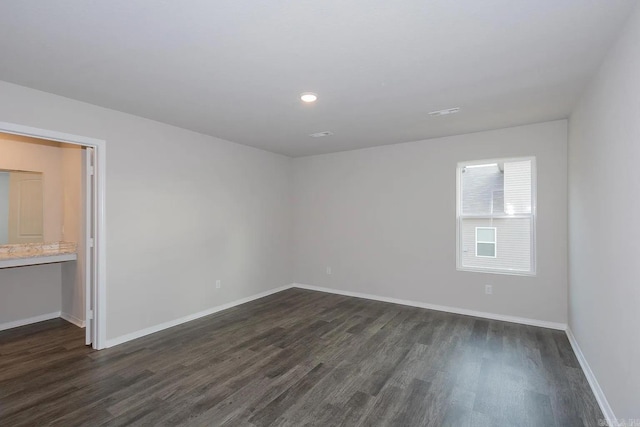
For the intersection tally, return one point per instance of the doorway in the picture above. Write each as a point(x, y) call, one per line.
point(95, 223)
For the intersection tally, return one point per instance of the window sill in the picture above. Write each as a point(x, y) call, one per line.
point(491, 271)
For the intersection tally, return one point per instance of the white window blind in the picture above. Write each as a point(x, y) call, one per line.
point(496, 209)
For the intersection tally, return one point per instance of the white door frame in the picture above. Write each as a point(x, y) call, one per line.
point(100, 147)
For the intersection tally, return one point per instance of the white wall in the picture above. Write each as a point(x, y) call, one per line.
point(604, 182)
point(27, 292)
point(183, 209)
point(384, 219)
point(30, 154)
point(35, 290)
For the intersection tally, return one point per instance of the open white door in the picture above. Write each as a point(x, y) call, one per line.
point(90, 247)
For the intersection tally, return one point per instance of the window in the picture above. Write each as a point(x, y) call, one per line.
point(486, 242)
point(496, 208)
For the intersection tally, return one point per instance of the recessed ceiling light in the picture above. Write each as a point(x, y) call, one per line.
point(320, 134)
point(445, 112)
point(308, 96)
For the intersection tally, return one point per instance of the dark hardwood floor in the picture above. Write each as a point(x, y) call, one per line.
point(299, 358)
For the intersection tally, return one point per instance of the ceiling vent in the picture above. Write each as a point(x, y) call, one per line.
point(445, 112)
point(320, 134)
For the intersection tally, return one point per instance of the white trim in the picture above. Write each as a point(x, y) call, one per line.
point(166, 325)
point(494, 271)
point(157, 328)
point(497, 216)
point(456, 310)
point(595, 387)
point(28, 321)
point(90, 260)
point(100, 147)
point(593, 382)
point(73, 319)
point(52, 135)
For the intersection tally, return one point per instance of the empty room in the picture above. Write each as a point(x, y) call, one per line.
point(319, 213)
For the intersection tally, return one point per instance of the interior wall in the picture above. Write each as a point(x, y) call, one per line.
point(604, 182)
point(384, 220)
point(183, 209)
point(30, 154)
point(27, 292)
point(73, 158)
point(31, 291)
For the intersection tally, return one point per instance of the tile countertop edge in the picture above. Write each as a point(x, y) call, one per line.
point(37, 250)
point(37, 260)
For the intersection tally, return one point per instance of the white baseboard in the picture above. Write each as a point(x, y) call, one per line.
point(593, 382)
point(157, 328)
point(28, 321)
point(597, 391)
point(153, 329)
point(73, 319)
point(456, 310)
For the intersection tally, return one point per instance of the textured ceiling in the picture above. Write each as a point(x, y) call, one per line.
point(234, 69)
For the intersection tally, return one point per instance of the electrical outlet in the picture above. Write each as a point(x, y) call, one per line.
point(488, 289)
point(329, 270)
point(218, 284)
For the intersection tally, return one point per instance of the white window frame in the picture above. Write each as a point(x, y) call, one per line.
point(494, 243)
point(532, 216)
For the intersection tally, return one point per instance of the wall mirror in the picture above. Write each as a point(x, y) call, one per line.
point(21, 207)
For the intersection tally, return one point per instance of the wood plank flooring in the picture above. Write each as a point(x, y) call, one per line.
point(299, 358)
